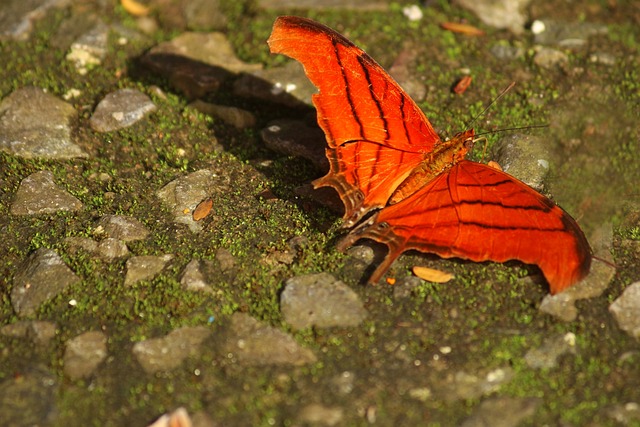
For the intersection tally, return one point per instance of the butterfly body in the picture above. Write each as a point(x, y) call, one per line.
point(403, 186)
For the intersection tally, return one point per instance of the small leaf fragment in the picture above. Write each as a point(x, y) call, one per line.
point(203, 209)
point(466, 29)
point(432, 275)
point(135, 8)
point(462, 85)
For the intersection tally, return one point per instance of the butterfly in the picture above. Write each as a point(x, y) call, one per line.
point(403, 186)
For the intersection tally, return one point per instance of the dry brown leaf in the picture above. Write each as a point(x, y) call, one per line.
point(466, 29)
point(202, 210)
point(432, 275)
point(462, 85)
point(135, 8)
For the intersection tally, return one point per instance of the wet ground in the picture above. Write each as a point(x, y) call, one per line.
point(161, 246)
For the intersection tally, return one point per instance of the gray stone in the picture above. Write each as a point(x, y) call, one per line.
point(252, 343)
point(90, 48)
point(205, 15)
point(505, 51)
point(168, 352)
point(502, 412)
point(35, 124)
point(39, 332)
point(110, 249)
point(84, 243)
point(123, 228)
point(402, 71)
point(240, 119)
point(194, 275)
point(145, 267)
point(627, 414)
point(297, 138)
point(18, 17)
point(626, 310)
point(320, 300)
point(287, 85)
point(226, 260)
point(463, 385)
point(29, 399)
point(562, 305)
point(107, 249)
point(501, 14)
point(121, 109)
point(209, 48)
point(547, 355)
point(317, 414)
point(83, 354)
point(182, 195)
point(566, 34)
point(42, 276)
point(525, 157)
point(39, 194)
point(548, 58)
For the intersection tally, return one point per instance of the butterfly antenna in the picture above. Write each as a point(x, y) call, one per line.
point(500, 95)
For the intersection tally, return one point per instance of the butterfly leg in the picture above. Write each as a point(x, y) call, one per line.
point(380, 232)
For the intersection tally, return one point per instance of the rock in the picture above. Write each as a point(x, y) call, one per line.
point(90, 48)
point(402, 72)
point(205, 15)
point(122, 227)
point(226, 260)
point(84, 243)
point(343, 383)
point(548, 58)
point(627, 414)
point(317, 414)
point(182, 195)
point(506, 52)
point(212, 49)
point(168, 352)
point(145, 267)
point(287, 85)
point(525, 157)
point(565, 34)
point(29, 399)
point(35, 124)
point(547, 355)
point(83, 354)
point(562, 305)
point(110, 249)
point(195, 273)
point(462, 385)
point(189, 76)
point(252, 343)
point(42, 276)
point(240, 119)
point(320, 300)
point(39, 332)
point(19, 16)
point(502, 412)
point(626, 310)
point(39, 194)
point(500, 14)
point(107, 249)
point(298, 139)
point(121, 109)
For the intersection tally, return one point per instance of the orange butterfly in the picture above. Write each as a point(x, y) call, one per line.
point(384, 155)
